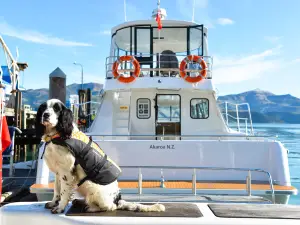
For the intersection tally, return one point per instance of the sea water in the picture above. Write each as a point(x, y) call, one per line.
point(289, 135)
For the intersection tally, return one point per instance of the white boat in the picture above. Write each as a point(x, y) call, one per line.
point(167, 131)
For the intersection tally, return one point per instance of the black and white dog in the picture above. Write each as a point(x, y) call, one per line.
point(54, 120)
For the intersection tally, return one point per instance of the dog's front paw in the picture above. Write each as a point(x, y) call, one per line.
point(50, 205)
point(57, 210)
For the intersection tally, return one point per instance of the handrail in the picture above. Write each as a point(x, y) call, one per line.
point(237, 115)
point(157, 65)
point(192, 135)
point(89, 102)
point(241, 118)
point(194, 180)
point(101, 95)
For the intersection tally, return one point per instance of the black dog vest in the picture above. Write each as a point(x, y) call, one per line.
point(96, 164)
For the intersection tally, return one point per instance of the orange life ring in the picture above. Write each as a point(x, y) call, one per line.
point(193, 58)
point(136, 73)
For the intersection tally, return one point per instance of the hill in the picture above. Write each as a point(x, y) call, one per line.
point(35, 97)
point(264, 101)
point(267, 107)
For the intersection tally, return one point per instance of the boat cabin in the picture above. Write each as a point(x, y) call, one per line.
point(156, 99)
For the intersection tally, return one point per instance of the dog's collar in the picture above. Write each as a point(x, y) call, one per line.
point(49, 138)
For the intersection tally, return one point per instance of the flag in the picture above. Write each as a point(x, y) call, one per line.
point(5, 136)
point(158, 20)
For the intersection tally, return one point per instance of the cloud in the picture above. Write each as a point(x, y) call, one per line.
point(105, 32)
point(272, 39)
point(184, 10)
point(225, 21)
point(201, 3)
point(74, 75)
point(133, 12)
point(37, 37)
point(201, 13)
point(237, 69)
point(295, 61)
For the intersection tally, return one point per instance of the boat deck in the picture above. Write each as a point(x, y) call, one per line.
point(176, 213)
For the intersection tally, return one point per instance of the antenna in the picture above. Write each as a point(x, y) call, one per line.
point(17, 53)
point(125, 11)
point(193, 20)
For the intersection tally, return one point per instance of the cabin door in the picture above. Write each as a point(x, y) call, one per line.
point(168, 115)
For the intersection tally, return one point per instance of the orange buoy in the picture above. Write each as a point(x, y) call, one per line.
point(193, 58)
point(133, 76)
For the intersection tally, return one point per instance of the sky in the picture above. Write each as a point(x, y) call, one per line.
point(254, 43)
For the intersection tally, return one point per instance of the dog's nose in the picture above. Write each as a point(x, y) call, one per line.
point(46, 115)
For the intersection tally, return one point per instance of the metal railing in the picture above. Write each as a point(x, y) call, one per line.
point(237, 118)
point(194, 178)
point(160, 66)
point(161, 137)
point(12, 150)
point(75, 107)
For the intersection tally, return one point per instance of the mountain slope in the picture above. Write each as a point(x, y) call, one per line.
point(265, 102)
point(35, 97)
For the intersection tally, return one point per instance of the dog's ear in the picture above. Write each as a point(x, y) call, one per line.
point(65, 123)
point(40, 128)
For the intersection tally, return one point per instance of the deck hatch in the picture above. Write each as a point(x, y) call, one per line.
point(172, 210)
point(265, 211)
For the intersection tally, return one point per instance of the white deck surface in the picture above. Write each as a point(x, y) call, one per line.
point(36, 214)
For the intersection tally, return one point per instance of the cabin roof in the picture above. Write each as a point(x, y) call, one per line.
point(153, 23)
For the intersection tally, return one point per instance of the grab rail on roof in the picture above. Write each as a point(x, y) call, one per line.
point(194, 179)
point(162, 137)
point(158, 64)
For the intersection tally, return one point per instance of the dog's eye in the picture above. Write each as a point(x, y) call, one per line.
point(56, 107)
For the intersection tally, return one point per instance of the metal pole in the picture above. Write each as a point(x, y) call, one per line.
point(237, 117)
point(248, 183)
point(125, 11)
point(251, 125)
point(140, 181)
point(162, 179)
point(75, 63)
point(226, 113)
point(81, 77)
point(194, 183)
point(193, 11)
point(159, 14)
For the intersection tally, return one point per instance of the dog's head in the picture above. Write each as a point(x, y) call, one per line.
point(54, 117)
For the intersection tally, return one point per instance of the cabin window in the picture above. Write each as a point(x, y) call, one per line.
point(199, 108)
point(143, 108)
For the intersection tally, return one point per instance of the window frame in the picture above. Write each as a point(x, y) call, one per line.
point(191, 107)
point(137, 114)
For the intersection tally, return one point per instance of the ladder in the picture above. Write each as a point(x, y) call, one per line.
point(122, 115)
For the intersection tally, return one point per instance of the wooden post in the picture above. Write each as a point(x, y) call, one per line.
point(57, 85)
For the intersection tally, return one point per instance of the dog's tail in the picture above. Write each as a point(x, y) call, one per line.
point(137, 207)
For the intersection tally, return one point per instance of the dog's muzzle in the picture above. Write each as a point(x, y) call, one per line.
point(45, 118)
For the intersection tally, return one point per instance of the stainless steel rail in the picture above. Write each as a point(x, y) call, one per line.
point(178, 136)
point(194, 179)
